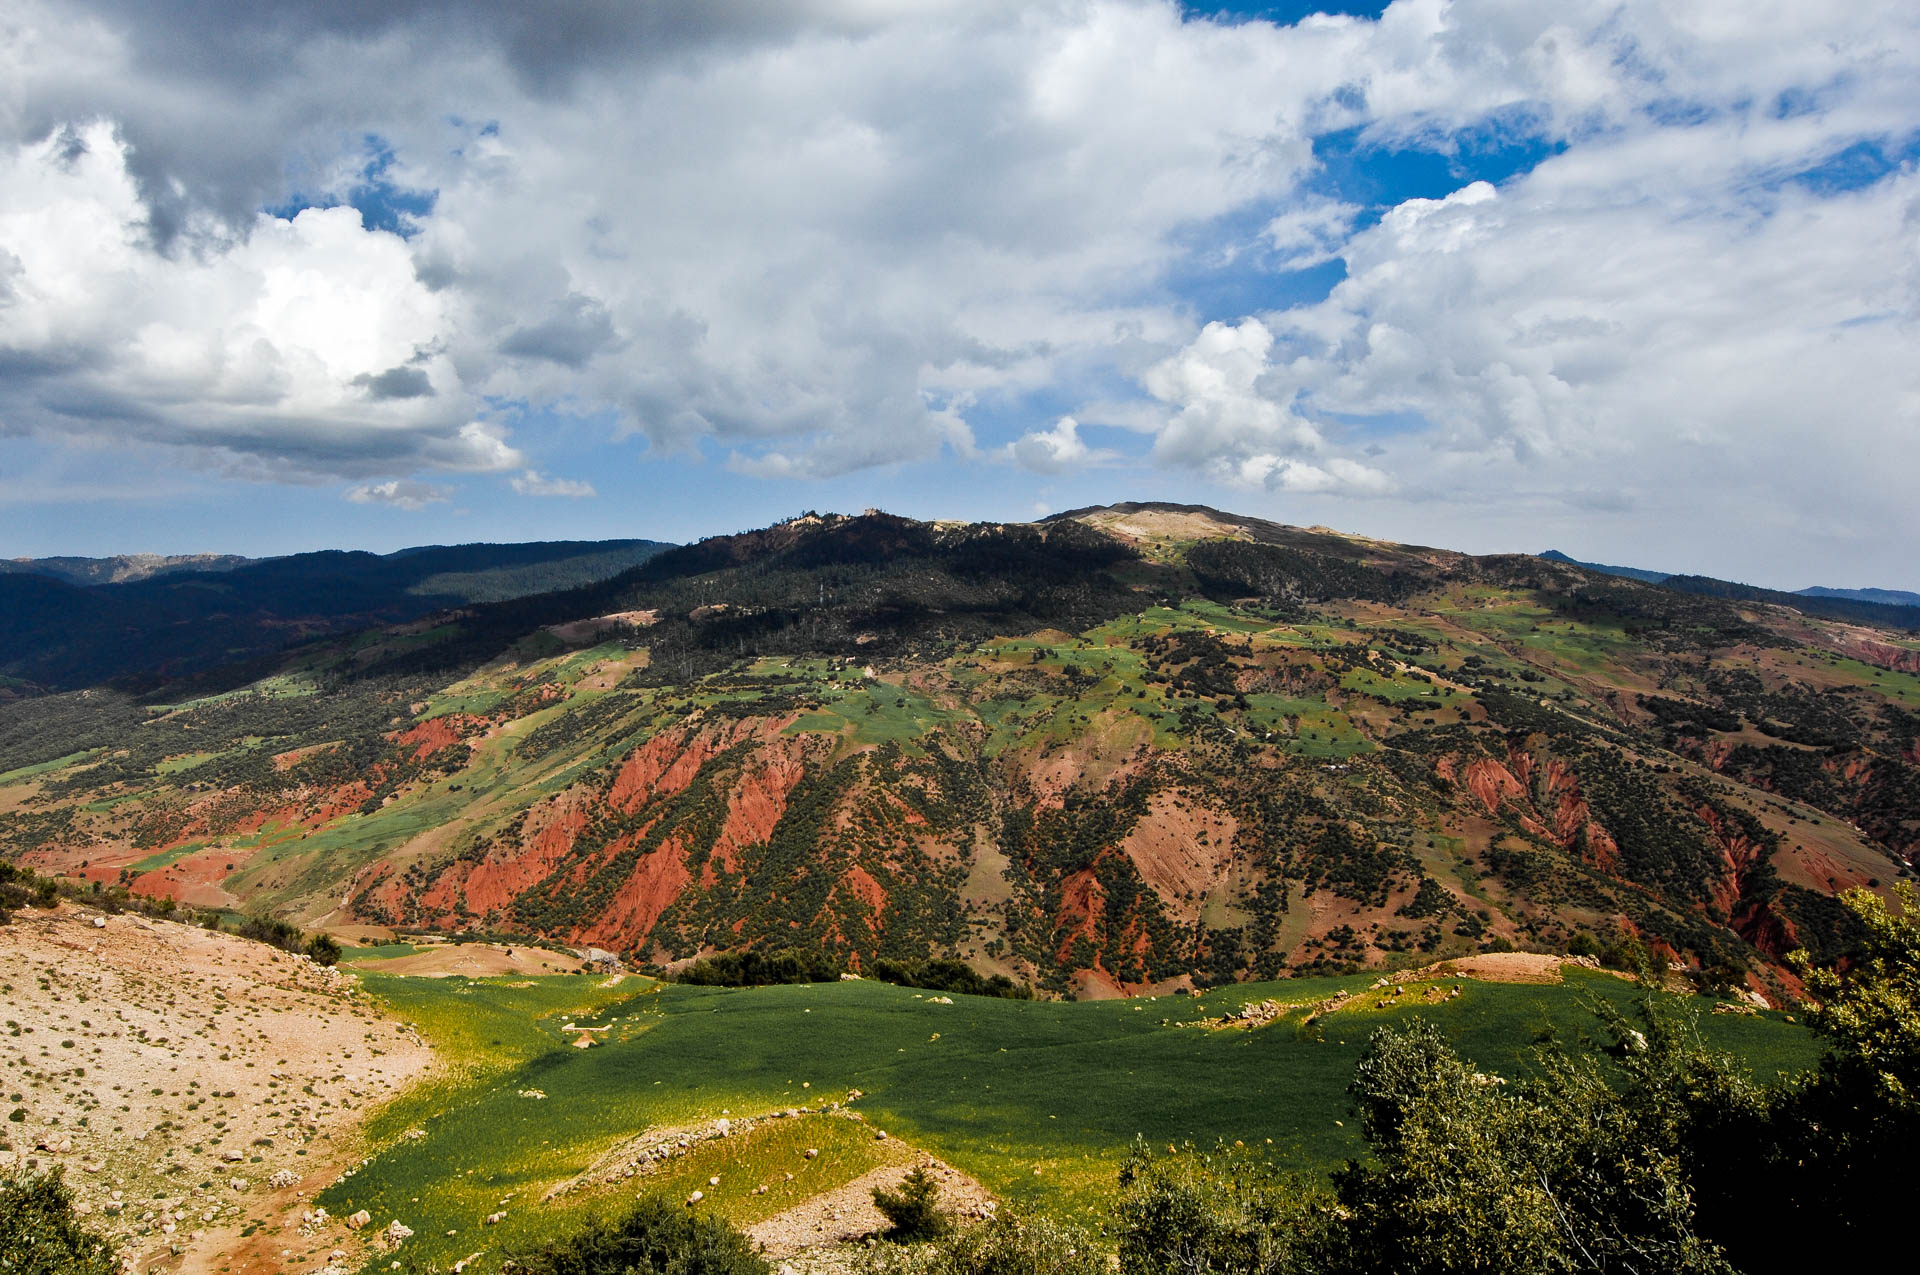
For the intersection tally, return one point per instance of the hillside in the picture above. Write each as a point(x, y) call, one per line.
point(193, 1085)
point(121, 567)
point(72, 622)
point(1125, 749)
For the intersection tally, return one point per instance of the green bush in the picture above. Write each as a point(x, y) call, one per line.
point(914, 1209)
point(323, 949)
point(761, 969)
point(1005, 1245)
point(1223, 1210)
point(658, 1237)
point(39, 1234)
point(943, 975)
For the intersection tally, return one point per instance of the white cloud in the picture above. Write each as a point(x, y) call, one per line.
point(535, 483)
point(1231, 414)
point(1055, 451)
point(401, 493)
point(1310, 234)
point(264, 348)
point(810, 238)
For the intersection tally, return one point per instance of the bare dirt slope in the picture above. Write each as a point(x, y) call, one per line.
point(194, 1086)
point(847, 1214)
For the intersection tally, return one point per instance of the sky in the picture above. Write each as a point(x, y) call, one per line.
point(1634, 280)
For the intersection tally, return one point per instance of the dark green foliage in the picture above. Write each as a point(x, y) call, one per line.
point(758, 969)
point(324, 949)
point(1680, 714)
point(1236, 568)
point(1225, 1211)
point(1847, 1136)
point(913, 1210)
point(1657, 615)
point(1006, 1244)
point(940, 975)
point(657, 1237)
point(39, 1234)
point(1859, 612)
point(61, 635)
point(1651, 1155)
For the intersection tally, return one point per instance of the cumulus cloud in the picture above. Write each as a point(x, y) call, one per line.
point(1233, 416)
point(809, 237)
point(535, 483)
point(293, 348)
point(400, 493)
point(1058, 450)
point(1604, 310)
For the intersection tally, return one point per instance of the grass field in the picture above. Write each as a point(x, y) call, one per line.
point(1037, 1099)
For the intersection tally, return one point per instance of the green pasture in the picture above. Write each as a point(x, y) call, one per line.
point(22, 773)
point(1037, 1099)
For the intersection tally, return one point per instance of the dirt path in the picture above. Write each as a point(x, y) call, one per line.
point(847, 1213)
point(197, 1087)
point(474, 960)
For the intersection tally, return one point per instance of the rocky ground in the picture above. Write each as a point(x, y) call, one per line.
point(195, 1087)
point(818, 1236)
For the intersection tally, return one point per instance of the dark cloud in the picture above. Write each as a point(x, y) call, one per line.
point(578, 329)
point(396, 382)
point(547, 45)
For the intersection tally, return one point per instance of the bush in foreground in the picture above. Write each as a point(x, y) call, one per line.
point(657, 1237)
point(1005, 1245)
point(914, 1209)
point(39, 1234)
point(1656, 1155)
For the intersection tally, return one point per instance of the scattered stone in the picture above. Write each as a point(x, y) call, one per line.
point(359, 1220)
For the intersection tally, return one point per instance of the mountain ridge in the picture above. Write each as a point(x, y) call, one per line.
point(1132, 747)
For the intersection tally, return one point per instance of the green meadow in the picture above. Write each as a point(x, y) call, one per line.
point(1039, 1100)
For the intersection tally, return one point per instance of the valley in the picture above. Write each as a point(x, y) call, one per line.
point(1218, 799)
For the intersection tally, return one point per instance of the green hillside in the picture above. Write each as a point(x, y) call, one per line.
point(1039, 1101)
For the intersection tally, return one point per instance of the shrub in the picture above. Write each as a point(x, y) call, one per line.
point(914, 1209)
point(760, 969)
point(657, 1237)
point(39, 1234)
point(1222, 1211)
point(323, 949)
point(1005, 1245)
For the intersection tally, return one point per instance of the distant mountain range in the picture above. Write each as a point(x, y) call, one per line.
point(68, 622)
point(122, 568)
point(1896, 607)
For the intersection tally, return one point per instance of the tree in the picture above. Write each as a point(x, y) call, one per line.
point(657, 1237)
point(914, 1209)
point(1006, 1244)
point(1473, 1174)
point(1845, 1142)
point(39, 1234)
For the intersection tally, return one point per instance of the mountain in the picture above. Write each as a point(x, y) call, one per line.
point(58, 634)
point(1131, 747)
point(1887, 607)
point(1886, 597)
point(121, 567)
point(1831, 607)
point(1630, 573)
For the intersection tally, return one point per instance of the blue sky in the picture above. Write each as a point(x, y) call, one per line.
point(1625, 280)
